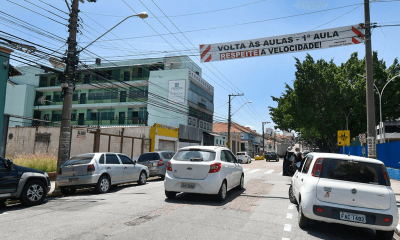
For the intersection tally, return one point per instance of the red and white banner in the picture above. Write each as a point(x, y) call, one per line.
point(291, 43)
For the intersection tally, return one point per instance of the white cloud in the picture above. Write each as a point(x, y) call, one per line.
point(251, 127)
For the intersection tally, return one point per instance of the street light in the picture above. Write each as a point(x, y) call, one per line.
point(142, 15)
point(380, 102)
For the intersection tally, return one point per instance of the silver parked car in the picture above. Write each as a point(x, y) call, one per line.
point(244, 156)
point(99, 170)
point(156, 162)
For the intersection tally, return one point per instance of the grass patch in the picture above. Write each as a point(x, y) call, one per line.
point(43, 162)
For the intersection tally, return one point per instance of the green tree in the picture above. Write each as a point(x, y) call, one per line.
point(323, 94)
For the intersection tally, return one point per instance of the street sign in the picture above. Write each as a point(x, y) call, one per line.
point(227, 144)
point(362, 138)
point(291, 43)
point(343, 137)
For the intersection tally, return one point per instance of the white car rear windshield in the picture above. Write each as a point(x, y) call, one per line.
point(194, 155)
point(80, 159)
point(353, 171)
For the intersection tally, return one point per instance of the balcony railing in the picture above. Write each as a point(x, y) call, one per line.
point(137, 77)
point(85, 122)
point(91, 101)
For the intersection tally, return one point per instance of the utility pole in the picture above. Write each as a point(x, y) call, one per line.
point(68, 85)
point(229, 117)
point(263, 123)
point(371, 135)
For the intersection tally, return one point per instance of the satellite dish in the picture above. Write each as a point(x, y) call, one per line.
point(56, 62)
point(173, 62)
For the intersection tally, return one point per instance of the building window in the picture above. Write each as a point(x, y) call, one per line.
point(127, 76)
point(43, 81)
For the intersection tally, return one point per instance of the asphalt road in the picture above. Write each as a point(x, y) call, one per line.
point(260, 211)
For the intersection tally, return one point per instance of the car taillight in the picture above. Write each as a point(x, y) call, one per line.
point(90, 168)
point(386, 219)
point(59, 171)
point(160, 162)
point(316, 172)
point(245, 155)
point(169, 166)
point(386, 175)
point(320, 209)
point(215, 167)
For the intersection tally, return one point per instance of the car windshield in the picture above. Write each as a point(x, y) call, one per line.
point(353, 171)
point(80, 159)
point(240, 153)
point(167, 155)
point(194, 155)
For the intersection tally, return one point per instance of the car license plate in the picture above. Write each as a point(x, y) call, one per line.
point(352, 217)
point(155, 164)
point(72, 180)
point(187, 185)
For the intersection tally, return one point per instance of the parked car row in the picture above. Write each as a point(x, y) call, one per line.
point(207, 170)
point(349, 190)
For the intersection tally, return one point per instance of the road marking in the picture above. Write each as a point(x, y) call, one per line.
point(285, 238)
point(289, 215)
point(290, 207)
point(4, 213)
point(256, 170)
point(244, 169)
point(287, 228)
point(270, 171)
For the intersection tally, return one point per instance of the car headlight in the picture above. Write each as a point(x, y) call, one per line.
point(45, 173)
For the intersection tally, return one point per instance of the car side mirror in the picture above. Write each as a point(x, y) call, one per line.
point(134, 162)
point(9, 163)
point(240, 161)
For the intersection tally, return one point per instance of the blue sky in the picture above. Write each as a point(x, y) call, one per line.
point(210, 21)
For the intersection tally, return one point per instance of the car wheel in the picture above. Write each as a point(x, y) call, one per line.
point(292, 198)
point(67, 190)
point(103, 185)
point(170, 195)
point(384, 235)
point(221, 196)
point(303, 220)
point(241, 184)
point(34, 193)
point(142, 178)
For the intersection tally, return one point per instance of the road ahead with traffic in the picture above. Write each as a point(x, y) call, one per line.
point(261, 210)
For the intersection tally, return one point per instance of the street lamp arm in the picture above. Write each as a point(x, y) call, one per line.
point(240, 108)
point(389, 82)
point(141, 15)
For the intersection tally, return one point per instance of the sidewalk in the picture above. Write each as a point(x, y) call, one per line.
point(396, 189)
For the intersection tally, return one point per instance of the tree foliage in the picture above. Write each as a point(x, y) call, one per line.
point(324, 94)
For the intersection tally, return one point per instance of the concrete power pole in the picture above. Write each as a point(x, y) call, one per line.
point(263, 123)
point(68, 85)
point(229, 118)
point(371, 135)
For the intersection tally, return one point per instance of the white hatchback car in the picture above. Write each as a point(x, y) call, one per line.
point(205, 170)
point(350, 190)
